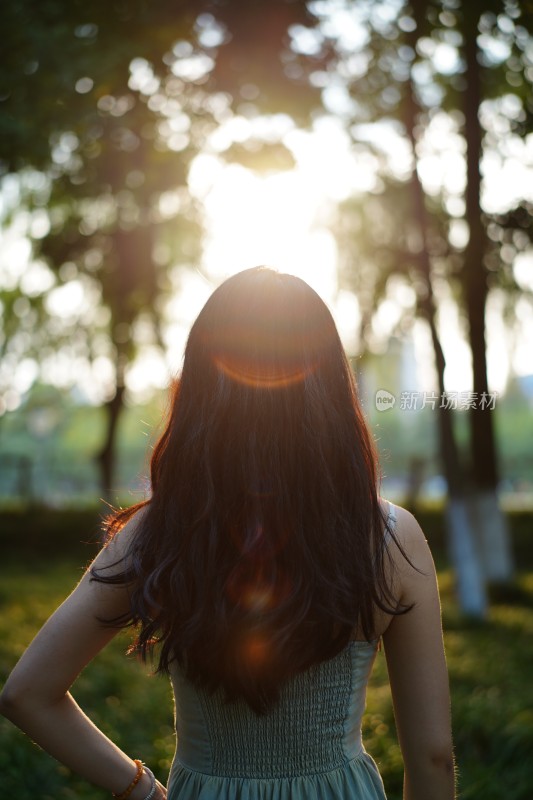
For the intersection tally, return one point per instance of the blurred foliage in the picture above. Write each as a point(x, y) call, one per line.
point(453, 82)
point(489, 671)
point(413, 62)
point(111, 103)
point(48, 448)
point(53, 45)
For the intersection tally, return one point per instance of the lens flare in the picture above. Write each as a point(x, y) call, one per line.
point(257, 598)
point(256, 650)
point(256, 541)
point(260, 376)
point(269, 347)
point(250, 589)
point(250, 595)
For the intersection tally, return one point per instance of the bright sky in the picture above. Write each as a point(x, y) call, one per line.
point(282, 220)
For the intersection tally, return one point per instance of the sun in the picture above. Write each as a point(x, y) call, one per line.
point(272, 219)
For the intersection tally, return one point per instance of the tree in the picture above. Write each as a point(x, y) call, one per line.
point(476, 282)
point(418, 66)
point(113, 105)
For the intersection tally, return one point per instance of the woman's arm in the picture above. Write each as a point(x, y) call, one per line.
point(417, 672)
point(36, 695)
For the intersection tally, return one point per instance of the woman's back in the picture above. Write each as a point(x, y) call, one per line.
point(308, 745)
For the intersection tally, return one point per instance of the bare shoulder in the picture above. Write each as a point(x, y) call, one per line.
point(407, 529)
point(412, 562)
point(406, 526)
point(117, 548)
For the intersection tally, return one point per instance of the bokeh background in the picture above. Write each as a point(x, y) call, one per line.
point(381, 150)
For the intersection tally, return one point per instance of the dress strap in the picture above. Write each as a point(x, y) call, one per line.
point(390, 524)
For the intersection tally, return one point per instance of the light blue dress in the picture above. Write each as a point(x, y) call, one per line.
point(309, 746)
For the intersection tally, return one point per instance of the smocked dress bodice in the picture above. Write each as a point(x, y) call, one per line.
point(307, 746)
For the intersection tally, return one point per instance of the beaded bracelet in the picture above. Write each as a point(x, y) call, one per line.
point(153, 786)
point(138, 775)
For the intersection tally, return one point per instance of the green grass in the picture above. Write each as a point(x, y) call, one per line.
point(490, 672)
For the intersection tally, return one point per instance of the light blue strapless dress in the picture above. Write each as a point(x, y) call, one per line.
point(309, 746)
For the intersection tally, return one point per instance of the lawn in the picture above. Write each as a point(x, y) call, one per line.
point(490, 670)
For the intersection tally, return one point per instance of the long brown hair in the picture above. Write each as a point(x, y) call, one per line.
point(262, 546)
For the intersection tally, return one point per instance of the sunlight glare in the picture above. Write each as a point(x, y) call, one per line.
point(522, 360)
point(67, 300)
point(272, 220)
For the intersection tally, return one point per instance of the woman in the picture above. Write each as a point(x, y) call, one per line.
point(268, 569)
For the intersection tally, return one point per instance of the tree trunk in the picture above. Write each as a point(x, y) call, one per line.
point(461, 547)
point(464, 555)
point(471, 588)
point(496, 555)
point(491, 523)
point(106, 458)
